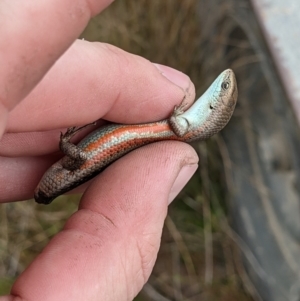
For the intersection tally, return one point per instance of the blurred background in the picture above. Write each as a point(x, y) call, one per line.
point(233, 233)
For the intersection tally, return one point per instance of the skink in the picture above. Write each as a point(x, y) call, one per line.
point(207, 116)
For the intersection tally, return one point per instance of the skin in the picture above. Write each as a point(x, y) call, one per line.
point(107, 249)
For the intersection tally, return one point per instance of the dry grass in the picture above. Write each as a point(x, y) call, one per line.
point(197, 259)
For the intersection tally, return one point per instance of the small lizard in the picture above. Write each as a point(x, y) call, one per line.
point(207, 116)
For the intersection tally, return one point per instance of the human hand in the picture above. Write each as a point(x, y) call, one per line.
point(107, 249)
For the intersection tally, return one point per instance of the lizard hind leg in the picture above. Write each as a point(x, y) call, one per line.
point(75, 156)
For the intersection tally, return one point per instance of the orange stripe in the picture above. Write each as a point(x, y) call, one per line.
point(135, 143)
point(154, 128)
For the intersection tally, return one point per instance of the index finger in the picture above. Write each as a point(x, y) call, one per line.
point(33, 35)
point(94, 80)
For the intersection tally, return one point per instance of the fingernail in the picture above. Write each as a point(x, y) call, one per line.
point(183, 177)
point(176, 77)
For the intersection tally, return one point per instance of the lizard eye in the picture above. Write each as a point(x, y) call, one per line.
point(211, 107)
point(225, 85)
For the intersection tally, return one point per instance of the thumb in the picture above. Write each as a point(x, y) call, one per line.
point(108, 248)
